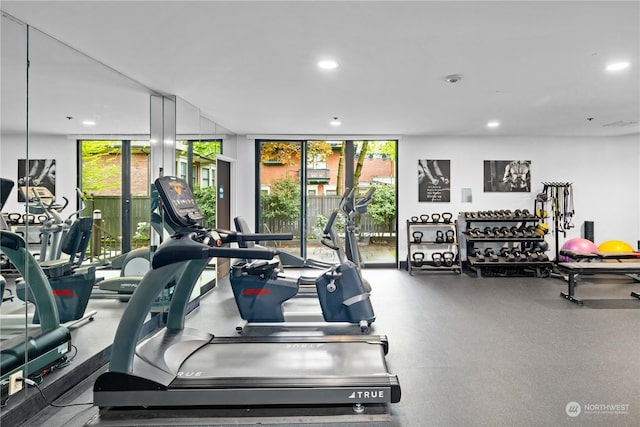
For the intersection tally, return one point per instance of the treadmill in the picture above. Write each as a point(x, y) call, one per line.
point(35, 350)
point(181, 367)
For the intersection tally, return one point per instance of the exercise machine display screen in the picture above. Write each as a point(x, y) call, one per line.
point(178, 199)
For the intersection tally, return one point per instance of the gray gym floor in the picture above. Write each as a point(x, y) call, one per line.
point(477, 352)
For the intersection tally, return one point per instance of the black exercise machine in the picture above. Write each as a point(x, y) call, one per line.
point(36, 350)
point(185, 368)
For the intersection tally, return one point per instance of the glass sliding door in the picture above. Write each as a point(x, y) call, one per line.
point(314, 175)
point(325, 183)
point(374, 166)
point(280, 192)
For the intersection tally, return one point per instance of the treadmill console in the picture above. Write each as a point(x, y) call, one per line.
point(178, 200)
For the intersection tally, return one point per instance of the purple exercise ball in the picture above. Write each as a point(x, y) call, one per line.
point(577, 245)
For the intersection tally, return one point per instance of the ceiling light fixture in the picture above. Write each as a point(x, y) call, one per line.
point(88, 122)
point(328, 64)
point(335, 122)
point(453, 78)
point(493, 124)
point(617, 66)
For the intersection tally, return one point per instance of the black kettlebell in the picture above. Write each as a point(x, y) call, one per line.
point(424, 218)
point(446, 217)
point(436, 257)
point(417, 236)
point(435, 218)
point(439, 236)
point(450, 236)
point(414, 219)
point(418, 259)
point(448, 258)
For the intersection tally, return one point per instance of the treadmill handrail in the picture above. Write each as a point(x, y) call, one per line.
point(185, 247)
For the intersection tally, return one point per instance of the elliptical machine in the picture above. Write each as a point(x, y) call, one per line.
point(260, 291)
point(351, 208)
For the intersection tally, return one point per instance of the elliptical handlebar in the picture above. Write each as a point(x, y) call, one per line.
point(362, 203)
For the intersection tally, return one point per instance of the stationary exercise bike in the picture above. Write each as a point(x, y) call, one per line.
point(260, 291)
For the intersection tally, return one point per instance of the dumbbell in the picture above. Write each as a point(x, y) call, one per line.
point(475, 232)
point(478, 255)
point(518, 255)
point(516, 232)
point(504, 252)
point(488, 232)
point(489, 253)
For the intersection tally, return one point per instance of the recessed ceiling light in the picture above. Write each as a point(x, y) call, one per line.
point(328, 64)
point(335, 122)
point(493, 124)
point(88, 122)
point(617, 66)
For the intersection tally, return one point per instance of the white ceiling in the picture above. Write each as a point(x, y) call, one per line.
point(538, 67)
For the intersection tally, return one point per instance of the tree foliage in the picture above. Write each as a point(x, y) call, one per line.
point(208, 149)
point(383, 207)
point(283, 202)
point(288, 153)
point(206, 199)
point(100, 166)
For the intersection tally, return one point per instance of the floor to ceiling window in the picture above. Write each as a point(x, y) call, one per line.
point(115, 181)
point(300, 183)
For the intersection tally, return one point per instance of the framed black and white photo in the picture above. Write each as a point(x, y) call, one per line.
point(434, 181)
point(506, 176)
point(38, 173)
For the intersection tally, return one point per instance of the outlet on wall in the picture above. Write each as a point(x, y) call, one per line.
point(15, 385)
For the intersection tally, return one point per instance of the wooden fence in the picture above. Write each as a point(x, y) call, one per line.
point(111, 208)
point(317, 207)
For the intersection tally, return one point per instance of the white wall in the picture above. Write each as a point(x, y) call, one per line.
point(60, 148)
point(604, 172)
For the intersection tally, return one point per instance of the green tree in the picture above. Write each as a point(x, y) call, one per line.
point(283, 202)
point(383, 207)
point(100, 166)
point(206, 199)
point(208, 149)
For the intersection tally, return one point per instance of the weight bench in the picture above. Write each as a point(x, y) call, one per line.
point(590, 263)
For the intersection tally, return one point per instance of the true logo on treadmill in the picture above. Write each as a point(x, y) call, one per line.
point(190, 373)
point(372, 394)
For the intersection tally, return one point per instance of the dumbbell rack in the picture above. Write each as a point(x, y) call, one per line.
point(509, 240)
point(428, 246)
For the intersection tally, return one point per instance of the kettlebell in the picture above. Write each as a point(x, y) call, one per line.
point(418, 259)
point(435, 218)
point(439, 236)
point(414, 219)
point(448, 258)
point(450, 236)
point(424, 218)
point(446, 217)
point(436, 257)
point(417, 236)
